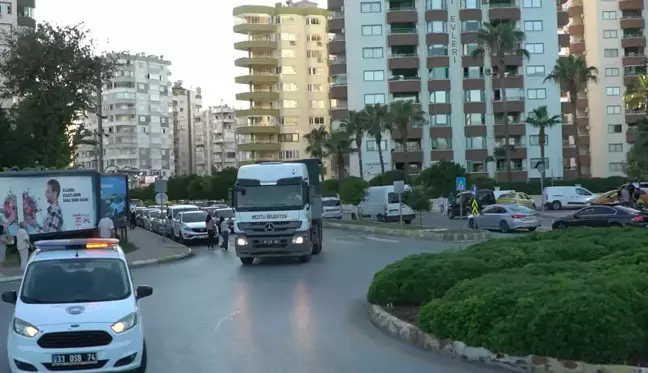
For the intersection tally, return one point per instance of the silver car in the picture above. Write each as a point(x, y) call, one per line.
point(506, 218)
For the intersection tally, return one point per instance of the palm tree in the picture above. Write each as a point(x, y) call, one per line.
point(403, 114)
point(316, 139)
point(499, 40)
point(356, 127)
point(539, 118)
point(378, 122)
point(636, 98)
point(338, 145)
point(572, 75)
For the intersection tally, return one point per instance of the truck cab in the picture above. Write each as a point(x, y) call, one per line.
point(277, 211)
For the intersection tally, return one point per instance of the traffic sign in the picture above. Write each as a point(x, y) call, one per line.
point(460, 183)
point(399, 186)
point(161, 199)
point(473, 190)
point(160, 186)
point(475, 207)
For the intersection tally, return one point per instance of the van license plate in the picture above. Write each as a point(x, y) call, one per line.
point(88, 358)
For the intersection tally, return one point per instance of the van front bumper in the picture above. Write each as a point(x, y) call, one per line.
point(272, 246)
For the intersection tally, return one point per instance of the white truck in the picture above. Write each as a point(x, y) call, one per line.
point(278, 210)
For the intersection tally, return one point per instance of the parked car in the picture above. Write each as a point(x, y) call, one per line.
point(485, 197)
point(517, 198)
point(190, 226)
point(506, 218)
point(562, 197)
point(158, 221)
point(603, 216)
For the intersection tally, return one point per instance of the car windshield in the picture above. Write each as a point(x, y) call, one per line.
point(76, 280)
point(331, 203)
point(518, 208)
point(226, 213)
point(270, 198)
point(194, 217)
point(177, 211)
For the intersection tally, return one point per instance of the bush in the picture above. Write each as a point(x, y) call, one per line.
point(578, 294)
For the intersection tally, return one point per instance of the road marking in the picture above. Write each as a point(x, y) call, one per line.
point(343, 241)
point(373, 238)
point(226, 318)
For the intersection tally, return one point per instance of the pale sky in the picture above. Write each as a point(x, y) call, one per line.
point(195, 35)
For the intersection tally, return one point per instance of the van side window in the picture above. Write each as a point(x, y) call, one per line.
point(583, 192)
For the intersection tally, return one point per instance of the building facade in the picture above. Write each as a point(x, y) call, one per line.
point(186, 108)
point(16, 13)
point(420, 50)
point(612, 36)
point(285, 78)
point(137, 132)
point(219, 136)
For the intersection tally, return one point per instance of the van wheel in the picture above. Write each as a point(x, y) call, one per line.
point(556, 205)
point(354, 217)
point(380, 218)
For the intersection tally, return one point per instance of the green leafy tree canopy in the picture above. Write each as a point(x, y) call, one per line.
point(441, 177)
point(352, 190)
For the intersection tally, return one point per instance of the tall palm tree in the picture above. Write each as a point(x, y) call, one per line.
point(316, 139)
point(573, 75)
point(539, 118)
point(636, 98)
point(499, 40)
point(403, 114)
point(378, 122)
point(338, 145)
point(356, 127)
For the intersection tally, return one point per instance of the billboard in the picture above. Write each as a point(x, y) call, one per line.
point(48, 204)
point(114, 199)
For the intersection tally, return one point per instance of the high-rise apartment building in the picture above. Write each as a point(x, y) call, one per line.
point(420, 50)
point(286, 79)
point(25, 12)
point(612, 37)
point(136, 130)
point(219, 134)
point(185, 110)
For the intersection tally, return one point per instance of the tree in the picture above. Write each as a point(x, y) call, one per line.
point(356, 127)
point(388, 178)
point(338, 145)
point(636, 97)
point(419, 200)
point(378, 122)
point(53, 72)
point(637, 157)
point(403, 114)
point(441, 177)
point(539, 118)
point(330, 188)
point(573, 75)
point(316, 140)
point(499, 40)
point(352, 190)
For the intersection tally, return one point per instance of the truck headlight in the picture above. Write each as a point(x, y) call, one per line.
point(298, 240)
point(125, 323)
point(241, 241)
point(24, 328)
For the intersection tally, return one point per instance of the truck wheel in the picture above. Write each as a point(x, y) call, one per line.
point(317, 247)
point(305, 258)
point(247, 261)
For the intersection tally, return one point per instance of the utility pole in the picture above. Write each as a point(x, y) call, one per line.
point(100, 133)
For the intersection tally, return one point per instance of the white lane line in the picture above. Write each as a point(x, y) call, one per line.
point(226, 318)
point(373, 238)
point(343, 241)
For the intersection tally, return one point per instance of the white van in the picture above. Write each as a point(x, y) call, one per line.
point(332, 208)
point(173, 214)
point(565, 197)
point(381, 202)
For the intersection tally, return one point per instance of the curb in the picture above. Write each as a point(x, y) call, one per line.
point(135, 264)
point(412, 335)
point(430, 235)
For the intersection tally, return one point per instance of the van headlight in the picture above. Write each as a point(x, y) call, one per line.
point(24, 328)
point(298, 240)
point(125, 323)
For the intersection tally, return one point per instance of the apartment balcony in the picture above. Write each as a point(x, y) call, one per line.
point(401, 84)
point(258, 130)
point(402, 34)
point(575, 8)
point(632, 116)
point(270, 112)
point(563, 18)
point(337, 66)
point(259, 146)
point(339, 110)
point(504, 10)
point(401, 11)
point(412, 133)
point(631, 4)
point(258, 96)
point(516, 175)
point(515, 129)
point(256, 45)
point(631, 135)
point(632, 58)
point(336, 22)
point(242, 27)
point(256, 61)
point(577, 46)
point(257, 79)
point(413, 156)
point(334, 5)
point(576, 29)
point(337, 45)
point(632, 21)
point(633, 40)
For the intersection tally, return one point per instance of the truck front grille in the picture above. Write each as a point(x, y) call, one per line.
point(279, 227)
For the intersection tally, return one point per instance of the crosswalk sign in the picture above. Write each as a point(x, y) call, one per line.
point(475, 207)
point(460, 182)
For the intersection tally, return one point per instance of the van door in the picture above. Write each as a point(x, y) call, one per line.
point(580, 196)
point(393, 204)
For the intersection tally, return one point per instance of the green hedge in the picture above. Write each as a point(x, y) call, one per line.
point(575, 294)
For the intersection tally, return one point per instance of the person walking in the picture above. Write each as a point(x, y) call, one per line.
point(224, 232)
point(210, 223)
point(106, 227)
point(4, 241)
point(23, 244)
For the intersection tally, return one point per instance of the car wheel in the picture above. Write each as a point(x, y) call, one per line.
point(354, 217)
point(504, 227)
point(532, 229)
point(556, 205)
point(142, 367)
point(247, 261)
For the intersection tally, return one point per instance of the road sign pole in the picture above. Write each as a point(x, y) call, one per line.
point(400, 210)
point(460, 212)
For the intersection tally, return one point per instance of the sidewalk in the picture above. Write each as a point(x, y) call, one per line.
point(151, 250)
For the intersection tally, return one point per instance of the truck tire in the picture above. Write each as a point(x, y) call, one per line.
point(247, 261)
point(317, 242)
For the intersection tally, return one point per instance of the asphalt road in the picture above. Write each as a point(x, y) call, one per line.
point(209, 313)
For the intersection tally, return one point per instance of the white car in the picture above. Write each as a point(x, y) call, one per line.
point(77, 310)
point(190, 226)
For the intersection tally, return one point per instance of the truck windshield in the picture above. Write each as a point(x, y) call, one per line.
point(270, 198)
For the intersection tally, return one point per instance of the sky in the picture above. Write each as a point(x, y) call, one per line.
point(195, 35)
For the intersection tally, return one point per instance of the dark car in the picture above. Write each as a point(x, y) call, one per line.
point(485, 197)
point(603, 216)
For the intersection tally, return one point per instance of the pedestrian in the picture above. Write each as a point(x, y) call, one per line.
point(625, 196)
point(210, 223)
point(224, 231)
point(133, 219)
point(230, 225)
point(4, 241)
point(106, 227)
point(23, 244)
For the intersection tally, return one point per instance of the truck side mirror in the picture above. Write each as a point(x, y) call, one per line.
point(307, 190)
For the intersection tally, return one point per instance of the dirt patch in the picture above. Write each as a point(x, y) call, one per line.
point(405, 313)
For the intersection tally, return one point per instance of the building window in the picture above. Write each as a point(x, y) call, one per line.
point(477, 142)
point(314, 37)
point(470, 26)
point(373, 7)
point(475, 119)
point(610, 34)
point(289, 104)
point(611, 52)
point(315, 71)
point(316, 121)
point(442, 144)
point(536, 94)
point(288, 121)
point(289, 154)
point(289, 137)
point(371, 145)
point(535, 140)
point(615, 148)
point(372, 30)
point(287, 53)
point(439, 97)
point(532, 3)
point(469, 48)
point(471, 4)
point(535, 70)
point(286, 70)
point(609, 15)
point(317, 104)
point(534, 48)
point(311, 53)
point(439, 27)
point(377, 52)
point(438, 73)
point(374, 75)
point(437, 50)
point(315, 88)
point(534, 162)
point(436, 4)
point(532, 25)
point(287, 87)
point(313, 21)
point(374, 98)
point(613, 109)
point(475, 166)
point(616, 167)
point(613, 91)
point(440, 120)
point(612, 71)
point(615, 128)
point(476, 95)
